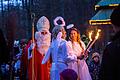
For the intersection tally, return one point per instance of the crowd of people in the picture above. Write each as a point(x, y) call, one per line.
point(49, 56)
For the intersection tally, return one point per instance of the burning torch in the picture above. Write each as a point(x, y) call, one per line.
point(91, 42)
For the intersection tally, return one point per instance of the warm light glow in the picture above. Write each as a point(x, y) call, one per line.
point(90, 35)
point(96, 6)
point(97, 35)
point(113, 4)
point(99, 22)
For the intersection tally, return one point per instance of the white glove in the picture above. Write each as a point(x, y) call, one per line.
point(32, 46)
point(72, 58)
point(59, 36)
point(29, 53)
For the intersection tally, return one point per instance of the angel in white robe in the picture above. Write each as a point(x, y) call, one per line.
point(76, 48)
point(58, 52)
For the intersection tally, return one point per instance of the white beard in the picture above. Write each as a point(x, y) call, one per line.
point(43, 42)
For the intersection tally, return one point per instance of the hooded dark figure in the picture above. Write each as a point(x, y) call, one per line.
point(94, 66)
point(110, 66)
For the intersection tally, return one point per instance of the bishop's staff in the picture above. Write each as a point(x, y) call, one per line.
point(33, 71)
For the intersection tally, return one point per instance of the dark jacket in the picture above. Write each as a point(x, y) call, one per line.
point(94, 69)
point(110, 66)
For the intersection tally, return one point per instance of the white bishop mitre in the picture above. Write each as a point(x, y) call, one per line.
point(43, 24)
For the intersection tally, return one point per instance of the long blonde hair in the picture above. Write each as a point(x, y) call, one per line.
point(78, 37)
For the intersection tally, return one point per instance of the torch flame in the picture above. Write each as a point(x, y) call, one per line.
point(96, 37)
point(90, 35)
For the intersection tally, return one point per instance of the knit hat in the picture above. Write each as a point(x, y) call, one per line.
point(95, 55)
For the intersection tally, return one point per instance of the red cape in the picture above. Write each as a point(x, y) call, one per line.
point(41, 71)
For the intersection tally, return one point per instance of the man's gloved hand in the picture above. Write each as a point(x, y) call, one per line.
point(29, 53)
point(32, 46)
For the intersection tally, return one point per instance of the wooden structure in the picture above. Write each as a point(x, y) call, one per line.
point(104, 8)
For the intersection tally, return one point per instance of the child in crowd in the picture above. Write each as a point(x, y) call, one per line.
point(94, 66)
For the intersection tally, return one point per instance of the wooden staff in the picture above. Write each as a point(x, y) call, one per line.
point(33, 71)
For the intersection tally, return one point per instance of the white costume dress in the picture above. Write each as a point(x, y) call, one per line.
point(79, 66)
point(58, 52)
